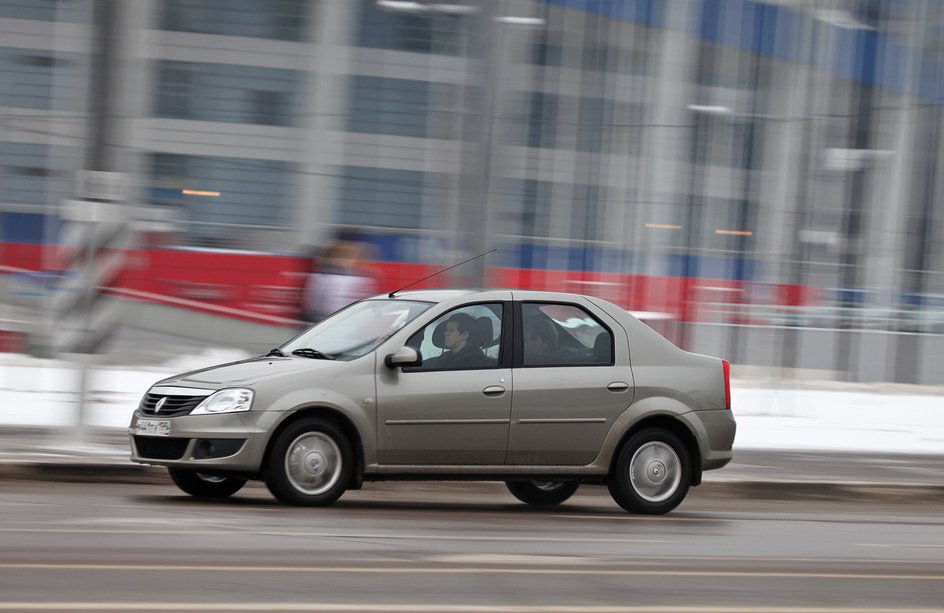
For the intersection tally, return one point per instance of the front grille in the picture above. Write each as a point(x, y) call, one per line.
point(158, 448)
point(172, 407)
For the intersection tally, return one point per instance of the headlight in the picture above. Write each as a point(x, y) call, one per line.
point(225, 401)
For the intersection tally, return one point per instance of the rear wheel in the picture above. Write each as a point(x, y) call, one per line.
point(310, 463)
point(204, 485)
point(542, 493)
point(652, 472)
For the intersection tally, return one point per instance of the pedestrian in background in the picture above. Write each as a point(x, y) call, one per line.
point(337, 280)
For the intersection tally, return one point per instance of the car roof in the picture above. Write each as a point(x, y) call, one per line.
point(441, 295)
point(428, 295)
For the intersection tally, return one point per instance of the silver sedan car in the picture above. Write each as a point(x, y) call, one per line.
point(544, 391)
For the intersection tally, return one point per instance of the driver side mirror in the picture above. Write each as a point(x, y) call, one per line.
point(404, 356)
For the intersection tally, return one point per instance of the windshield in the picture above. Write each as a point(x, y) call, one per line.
point(355, 331)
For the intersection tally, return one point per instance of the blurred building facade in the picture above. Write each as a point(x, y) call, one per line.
point(764, 172)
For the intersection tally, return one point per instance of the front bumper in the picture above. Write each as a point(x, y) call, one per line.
point(233, 442)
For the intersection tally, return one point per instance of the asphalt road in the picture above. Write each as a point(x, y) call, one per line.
point(456, 547)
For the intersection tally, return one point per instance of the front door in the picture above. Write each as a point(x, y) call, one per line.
point(456, 407)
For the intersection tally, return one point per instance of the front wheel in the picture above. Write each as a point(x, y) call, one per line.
point(310, 463)
point(652, 473)
point(204, 485)
point(542, 493)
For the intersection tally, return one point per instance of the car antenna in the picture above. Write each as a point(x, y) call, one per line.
point(392, 294)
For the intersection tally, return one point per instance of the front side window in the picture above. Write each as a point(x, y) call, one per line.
point(356, 330)
point(563, 335)
point(468, 337)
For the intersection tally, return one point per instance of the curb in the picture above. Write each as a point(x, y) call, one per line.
point(82, 472)
point(843, 491)
point(768, 490)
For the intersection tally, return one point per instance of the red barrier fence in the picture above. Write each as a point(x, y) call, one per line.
point(267, 287)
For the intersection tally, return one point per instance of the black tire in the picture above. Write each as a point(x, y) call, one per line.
point(204, 485)
point(542, 493)
point(310, 463)
point(652, 473)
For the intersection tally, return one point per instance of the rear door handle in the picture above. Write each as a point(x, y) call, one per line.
point(618, 386)
point(494, 390)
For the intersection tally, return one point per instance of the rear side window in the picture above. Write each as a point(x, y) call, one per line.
point(563, 335)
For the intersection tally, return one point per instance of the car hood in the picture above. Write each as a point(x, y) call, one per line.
point(247, 372)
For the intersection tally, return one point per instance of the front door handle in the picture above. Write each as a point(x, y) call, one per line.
point(618, 386)
point(494, 390)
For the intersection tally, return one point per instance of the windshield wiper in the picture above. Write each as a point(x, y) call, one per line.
point(308, 352)
point(275, 351)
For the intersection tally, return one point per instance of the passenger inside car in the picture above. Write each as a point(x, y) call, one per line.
point(540, 342)
point(459, 340)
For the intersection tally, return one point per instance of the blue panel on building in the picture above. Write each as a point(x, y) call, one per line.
point(22, 227)
point(777, 31)
point(647, 12)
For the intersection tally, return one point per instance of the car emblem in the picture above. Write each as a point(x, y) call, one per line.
point(160, 403)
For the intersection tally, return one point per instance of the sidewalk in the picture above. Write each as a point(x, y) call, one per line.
point(795, 439)
point(46, 454)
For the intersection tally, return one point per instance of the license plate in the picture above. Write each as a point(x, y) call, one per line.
point(152, 427)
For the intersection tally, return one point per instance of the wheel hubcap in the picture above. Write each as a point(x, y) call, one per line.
point(313, 463)
point(548, 486)
point(655, 471)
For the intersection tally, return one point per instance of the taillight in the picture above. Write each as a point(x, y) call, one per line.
point(727, 384)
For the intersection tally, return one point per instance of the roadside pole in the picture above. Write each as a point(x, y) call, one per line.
point(94, 226)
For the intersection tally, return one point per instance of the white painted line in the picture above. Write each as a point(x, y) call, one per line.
point(899, 546)
point(424, 608)
point(457, 570)
point(404, 537)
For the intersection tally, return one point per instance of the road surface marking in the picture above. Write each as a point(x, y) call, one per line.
point(423, 608)
point(351, 535)
point(438, 570)
point(900, 546)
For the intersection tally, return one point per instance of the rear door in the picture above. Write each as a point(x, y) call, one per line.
point(569, 388)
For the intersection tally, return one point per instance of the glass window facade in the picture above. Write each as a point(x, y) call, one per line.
point(526, 207)
point(77, 11)
point(631, 56)
point(228, 93)
point(545, 51)
point(421, 32)
point(387, 197)
point(602, 125)
point(212, 191)
point(275, 19)
point(538, 127)
point(600, 56)
point(733, 142)
point(401, 107)
point(586, 214)
point(30, 174)
point(593, 123)
point(27, 78)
